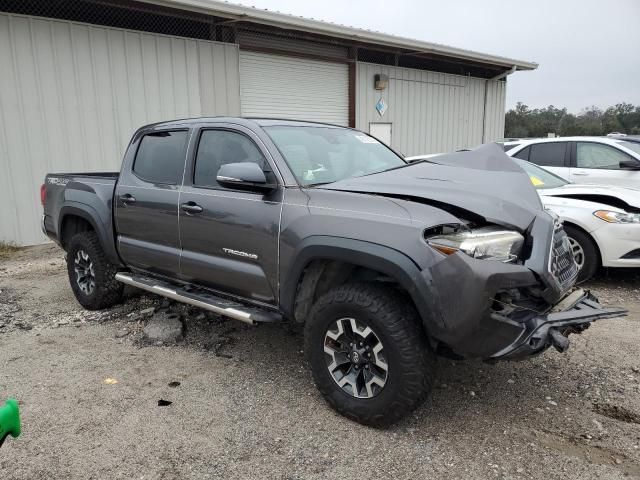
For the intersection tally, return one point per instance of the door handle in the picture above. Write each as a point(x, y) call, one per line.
point(191, 208)
point(127, 198)
point(580, 173)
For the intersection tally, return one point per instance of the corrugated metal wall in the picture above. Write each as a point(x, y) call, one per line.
point(496, 98)
point(72, 94)
point(430, 112)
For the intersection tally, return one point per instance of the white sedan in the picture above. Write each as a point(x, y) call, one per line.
point(602, 222)
point(592, 160)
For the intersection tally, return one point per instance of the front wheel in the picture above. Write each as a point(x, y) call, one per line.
point(585, 253)
point(368, 353)
point(91, 275)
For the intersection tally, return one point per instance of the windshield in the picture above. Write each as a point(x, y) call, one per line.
point(631, 146)
point(318, 155)
point(540, 178)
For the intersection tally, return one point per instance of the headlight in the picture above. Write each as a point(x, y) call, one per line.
point(487, 243)
point(617, 217)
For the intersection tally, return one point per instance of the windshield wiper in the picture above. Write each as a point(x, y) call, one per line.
point(366, 174)
point(391, 169)
point(316, 184)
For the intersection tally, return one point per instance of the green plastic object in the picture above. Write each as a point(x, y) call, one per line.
point(9, 420)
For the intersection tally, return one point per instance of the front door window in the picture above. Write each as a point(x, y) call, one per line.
point(597, 155)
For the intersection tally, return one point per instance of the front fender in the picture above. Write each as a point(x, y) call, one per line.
point(386, 260)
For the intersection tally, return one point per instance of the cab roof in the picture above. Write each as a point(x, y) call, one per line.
point(246, 121)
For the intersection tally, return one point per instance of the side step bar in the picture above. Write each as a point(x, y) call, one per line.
point(201, 299)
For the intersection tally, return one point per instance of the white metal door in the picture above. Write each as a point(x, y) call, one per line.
point(277, 86)
point(382, 131)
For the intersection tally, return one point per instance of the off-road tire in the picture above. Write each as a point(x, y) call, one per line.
point(411, 362)
point(591, 254)
point(107, 291)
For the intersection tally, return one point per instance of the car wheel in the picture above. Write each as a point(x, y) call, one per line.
point(585, 253)
point(91, 275)
point(368, 353)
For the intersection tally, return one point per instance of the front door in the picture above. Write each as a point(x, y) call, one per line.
point(146, 202)
point(229, 237)
point(598, 163)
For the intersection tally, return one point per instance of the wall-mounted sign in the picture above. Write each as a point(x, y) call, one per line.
point(380, 81)
point(381, 106)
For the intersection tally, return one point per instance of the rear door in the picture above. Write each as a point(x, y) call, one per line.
point(146, 202)
point(599, 163)
point(552, 156)
point(229, 237)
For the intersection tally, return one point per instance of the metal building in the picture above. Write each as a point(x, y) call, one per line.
point(78, 77)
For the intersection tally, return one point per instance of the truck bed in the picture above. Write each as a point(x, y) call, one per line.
point(76, 193)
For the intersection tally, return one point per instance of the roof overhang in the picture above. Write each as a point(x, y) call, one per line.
point(356, 35)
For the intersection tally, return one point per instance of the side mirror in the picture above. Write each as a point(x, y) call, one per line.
point(244, 176)
point(630, 165)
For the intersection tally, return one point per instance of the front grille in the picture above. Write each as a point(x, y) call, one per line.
point(562, 265)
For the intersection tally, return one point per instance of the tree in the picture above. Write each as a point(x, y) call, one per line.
point(523, 121)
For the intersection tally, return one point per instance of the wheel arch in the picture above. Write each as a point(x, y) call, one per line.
point(318, 252)
point(571, 224)
point(75, 218)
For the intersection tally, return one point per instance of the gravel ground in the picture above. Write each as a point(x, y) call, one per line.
point(243, 404)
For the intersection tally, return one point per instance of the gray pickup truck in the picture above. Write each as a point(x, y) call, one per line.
point(387, 264)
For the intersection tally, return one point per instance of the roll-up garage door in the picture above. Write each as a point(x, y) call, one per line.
point(286, 87)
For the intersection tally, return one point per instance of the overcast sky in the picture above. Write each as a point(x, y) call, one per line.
point(588, 50)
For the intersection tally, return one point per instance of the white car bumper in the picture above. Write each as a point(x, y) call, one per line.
point(616, 241)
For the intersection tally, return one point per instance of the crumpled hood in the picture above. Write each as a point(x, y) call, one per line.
point(484, 181)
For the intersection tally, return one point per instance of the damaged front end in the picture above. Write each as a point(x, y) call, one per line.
point(509, 299)
point(500, 282)
point(572, 314)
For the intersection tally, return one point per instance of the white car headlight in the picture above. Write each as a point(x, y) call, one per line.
point(617, 217)
point(487, 243)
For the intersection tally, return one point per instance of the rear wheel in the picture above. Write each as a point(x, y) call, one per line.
point(584, 251)
point(91, 275)
point(368, 353)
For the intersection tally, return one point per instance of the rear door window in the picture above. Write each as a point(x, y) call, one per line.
point(160, 157)
point(550, 154)
point(523, 154)
point(597, 155)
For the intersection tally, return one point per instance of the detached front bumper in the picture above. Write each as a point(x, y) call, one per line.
point(573, 314)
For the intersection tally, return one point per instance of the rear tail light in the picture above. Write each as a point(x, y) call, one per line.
point(43, 193)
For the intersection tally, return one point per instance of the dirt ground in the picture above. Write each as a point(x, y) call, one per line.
point(244, 405)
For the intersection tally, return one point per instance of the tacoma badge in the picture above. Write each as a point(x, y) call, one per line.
point(238, 253)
